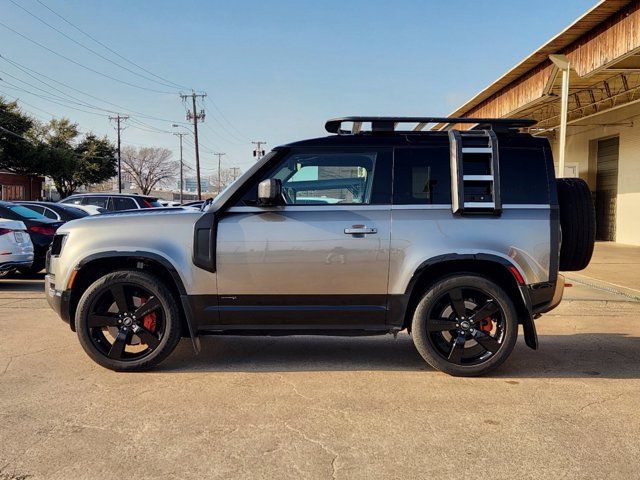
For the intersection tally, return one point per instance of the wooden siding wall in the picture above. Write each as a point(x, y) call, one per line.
point(609, 41)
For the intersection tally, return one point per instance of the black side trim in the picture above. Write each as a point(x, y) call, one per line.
point(277, 312)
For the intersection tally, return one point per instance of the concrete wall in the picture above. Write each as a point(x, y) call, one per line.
point(582, 149)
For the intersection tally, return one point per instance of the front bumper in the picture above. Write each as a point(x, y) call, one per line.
point(58, 300)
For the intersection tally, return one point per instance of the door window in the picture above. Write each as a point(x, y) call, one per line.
point(51, 214)
point(96, 201)
point(124, 203)
point(323, 179)
point(35, 208)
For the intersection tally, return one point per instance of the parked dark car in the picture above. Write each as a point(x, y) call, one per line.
point(55, 211)
point(41, 230)
point(113, 201)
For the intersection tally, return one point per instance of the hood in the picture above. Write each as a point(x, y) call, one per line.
point(134, 220)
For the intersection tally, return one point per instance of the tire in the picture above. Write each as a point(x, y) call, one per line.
point(151, 319)
point(449, 336)
point(6, 273)
point(577, 223)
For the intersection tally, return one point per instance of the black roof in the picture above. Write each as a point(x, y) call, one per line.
point(430, 138)
point(383, 132)
point(111, 194)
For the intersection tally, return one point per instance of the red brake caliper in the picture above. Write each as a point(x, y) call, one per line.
point(149, 320)
point(486, 325)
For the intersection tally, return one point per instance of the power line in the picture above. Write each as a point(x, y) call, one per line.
point(17, 135)
point(26, 70)
point(14, 87)
point(74, 100)
point(87, 48)
point(107, 47)
point(82, 65)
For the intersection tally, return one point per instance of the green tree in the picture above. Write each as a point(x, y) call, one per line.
point(72, 164)
point(54, 149)
point(18, 153)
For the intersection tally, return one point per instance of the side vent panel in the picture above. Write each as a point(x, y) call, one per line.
point(204, 242)
point(475, 174)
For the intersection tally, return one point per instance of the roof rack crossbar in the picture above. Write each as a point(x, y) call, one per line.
point(389, 124)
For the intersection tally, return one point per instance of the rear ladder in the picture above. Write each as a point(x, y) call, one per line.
point(475, 172)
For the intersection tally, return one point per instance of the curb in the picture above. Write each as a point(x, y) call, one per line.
point(604, 286)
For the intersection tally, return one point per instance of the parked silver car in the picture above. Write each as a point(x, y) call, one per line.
point(453, 235)
point(16, 249)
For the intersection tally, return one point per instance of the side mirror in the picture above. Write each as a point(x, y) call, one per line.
point(270, 192)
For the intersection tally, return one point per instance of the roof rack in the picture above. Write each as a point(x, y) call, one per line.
point(388, 124)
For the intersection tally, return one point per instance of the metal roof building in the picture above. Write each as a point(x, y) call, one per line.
point(583, 88)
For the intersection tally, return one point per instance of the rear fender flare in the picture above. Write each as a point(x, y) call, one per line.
point(526, 313)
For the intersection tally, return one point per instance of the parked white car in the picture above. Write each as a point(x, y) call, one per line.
point(16, 249)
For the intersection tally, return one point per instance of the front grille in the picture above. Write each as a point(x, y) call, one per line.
point(56, 244)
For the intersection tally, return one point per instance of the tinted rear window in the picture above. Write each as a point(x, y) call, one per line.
point(422, 176)
point(124, 203)
point(25, 212)
point(523, 176)
point(149, 202)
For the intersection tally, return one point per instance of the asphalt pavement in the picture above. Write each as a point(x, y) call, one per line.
point(322, 407)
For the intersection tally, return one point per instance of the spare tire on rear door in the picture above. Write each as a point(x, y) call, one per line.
point(577, 222)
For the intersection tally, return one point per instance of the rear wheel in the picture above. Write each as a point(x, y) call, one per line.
point(465, 325)
point(128, 320)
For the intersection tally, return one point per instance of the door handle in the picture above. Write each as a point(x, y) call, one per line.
point(360, 230)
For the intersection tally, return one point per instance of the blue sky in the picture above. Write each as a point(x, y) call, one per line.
point(273, 71)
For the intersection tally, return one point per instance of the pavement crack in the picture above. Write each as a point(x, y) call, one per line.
point(293, 387)
point(601, 402)
point(335, 455)
point(7, 365)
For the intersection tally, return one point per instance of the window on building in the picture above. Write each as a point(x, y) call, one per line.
point(13, 192)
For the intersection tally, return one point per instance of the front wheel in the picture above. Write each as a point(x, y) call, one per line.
point(465, 325)
point(128, 320)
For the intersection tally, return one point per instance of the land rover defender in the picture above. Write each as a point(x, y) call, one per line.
point(452, 229)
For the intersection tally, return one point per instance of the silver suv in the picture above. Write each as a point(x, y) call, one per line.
point(452, 235)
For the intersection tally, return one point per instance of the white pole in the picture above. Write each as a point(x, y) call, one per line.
point(561, 63)
point(564, 107)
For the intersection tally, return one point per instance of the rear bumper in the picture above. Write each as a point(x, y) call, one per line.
point(58, 300)
point(556, 298)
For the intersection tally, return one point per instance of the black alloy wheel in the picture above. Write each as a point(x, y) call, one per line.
point(128, 320)
point(465, 325)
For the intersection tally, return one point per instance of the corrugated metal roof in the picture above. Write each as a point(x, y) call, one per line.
point(593, 17)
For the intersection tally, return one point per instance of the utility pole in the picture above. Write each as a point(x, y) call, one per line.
point(219, 155)
point(195, 116)
point(258, 152)
point(235, 171)
point(119, 118)
point(180, 135)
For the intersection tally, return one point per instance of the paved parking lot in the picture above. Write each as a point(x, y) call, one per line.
point(313, 407)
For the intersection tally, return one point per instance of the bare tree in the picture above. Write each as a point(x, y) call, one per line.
point(149, 167)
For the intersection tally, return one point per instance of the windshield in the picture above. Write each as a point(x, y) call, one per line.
point(26, 212)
